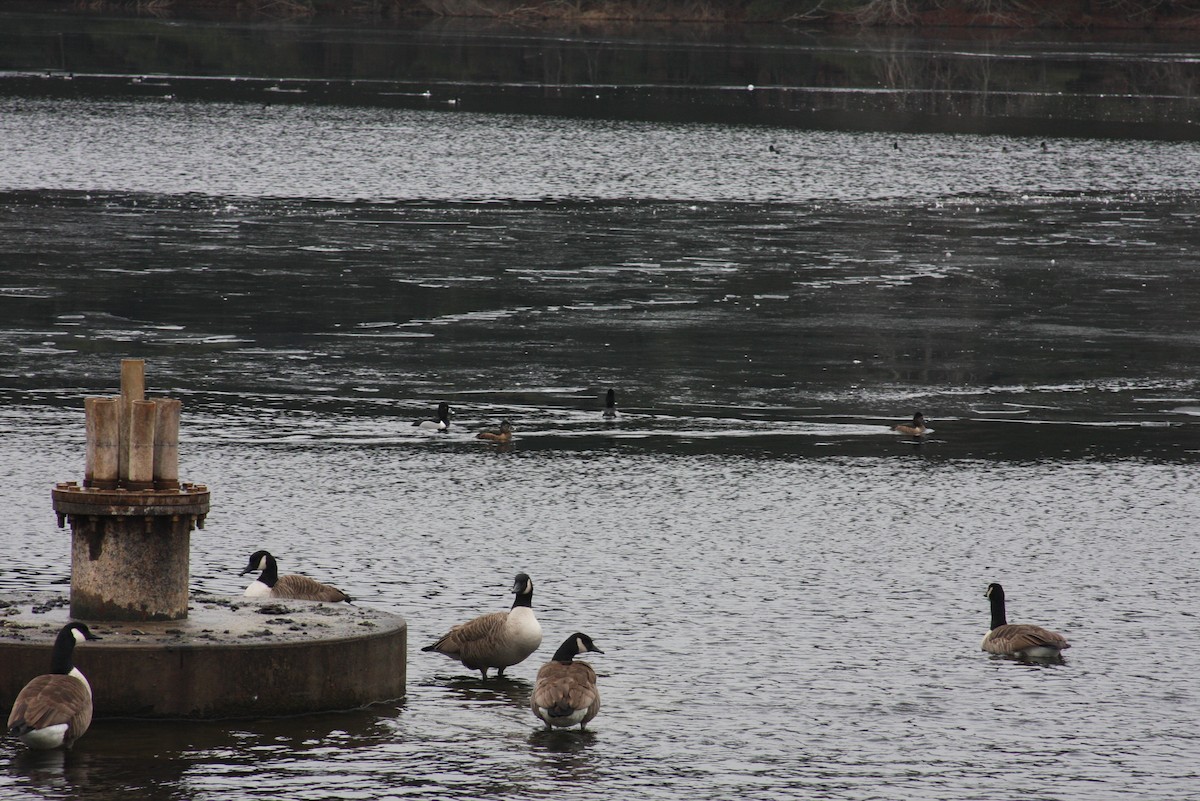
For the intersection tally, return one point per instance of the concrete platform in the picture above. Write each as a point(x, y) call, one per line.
point(231, 657)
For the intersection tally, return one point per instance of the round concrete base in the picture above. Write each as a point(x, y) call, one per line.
point(231, 657)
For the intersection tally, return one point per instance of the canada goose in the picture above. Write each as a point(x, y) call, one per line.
point(55, 709)
point(270, 584)
point(498, 639)
point(441, 423)
point(503, 435)
point(565, 692)
point(916, 428)
point(610, 404)
point(1021, 640)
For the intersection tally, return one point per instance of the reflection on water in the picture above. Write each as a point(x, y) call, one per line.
point(789, 595)
point(504, 691)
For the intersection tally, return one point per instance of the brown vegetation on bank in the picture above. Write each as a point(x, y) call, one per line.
point(1077, 14)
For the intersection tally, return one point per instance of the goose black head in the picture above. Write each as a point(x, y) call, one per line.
point(64, 644)
point(584, 643)
point(78, 632)
point(577, 643)
point(258, 561)
point(522, 585)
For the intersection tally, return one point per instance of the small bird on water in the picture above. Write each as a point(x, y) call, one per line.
point(501, 435)
point(610, 404)
point(441, 423)
point(916, 428)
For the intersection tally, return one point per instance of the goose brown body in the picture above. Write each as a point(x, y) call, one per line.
point(295, 587)
point(55, 709)
point(1022, 640)
point(566, 693)
point(50, 700)
point(303, 588)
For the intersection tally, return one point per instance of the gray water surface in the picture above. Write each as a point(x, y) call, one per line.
point(790, 596)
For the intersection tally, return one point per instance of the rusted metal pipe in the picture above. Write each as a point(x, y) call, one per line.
point(142, 418)
point(166, 443)
point(103, 422)
point(133, 388)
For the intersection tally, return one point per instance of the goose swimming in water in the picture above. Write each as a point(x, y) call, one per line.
point(1022, 640)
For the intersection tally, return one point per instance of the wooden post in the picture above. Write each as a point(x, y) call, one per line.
point(166, 443)
point(103, 421)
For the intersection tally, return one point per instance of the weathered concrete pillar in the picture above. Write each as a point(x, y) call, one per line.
point(130, 551)
point(132, 519)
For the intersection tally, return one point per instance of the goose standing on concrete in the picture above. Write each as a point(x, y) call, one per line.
point(1022, 640)
point(55, 709)
point(566, 693)
point(270, 584)
point(496, 640)
point(441, 423)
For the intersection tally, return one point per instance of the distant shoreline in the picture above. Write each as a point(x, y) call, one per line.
point(1108, 15)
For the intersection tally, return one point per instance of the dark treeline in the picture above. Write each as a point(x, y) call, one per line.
point(1079, 14)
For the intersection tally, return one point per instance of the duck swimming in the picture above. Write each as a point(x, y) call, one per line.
point(610, 404)
point(441, 423)
point(916, 428)
point(502, 435)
